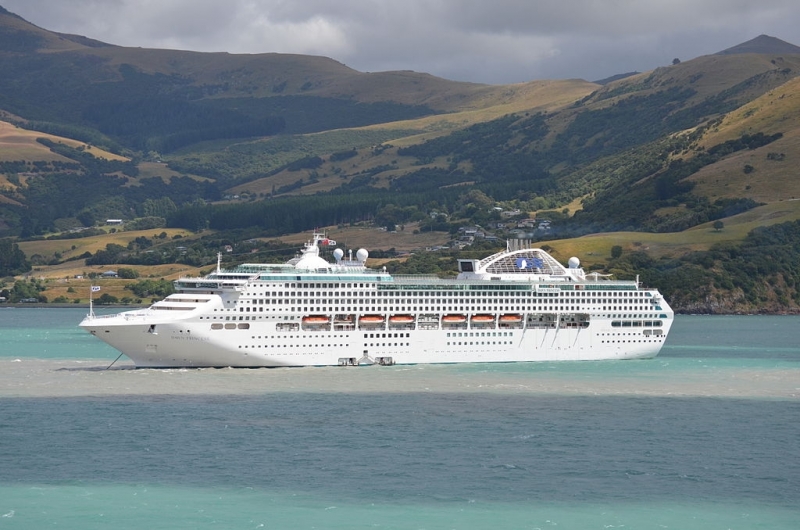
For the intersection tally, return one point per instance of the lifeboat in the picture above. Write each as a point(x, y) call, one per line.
point(316, 319)
point(511, 317)
point(401, 319)
point(454, 319)
point(371, 319)
point(482, 318)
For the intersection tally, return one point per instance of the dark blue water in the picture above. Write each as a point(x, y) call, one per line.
point(705, 436)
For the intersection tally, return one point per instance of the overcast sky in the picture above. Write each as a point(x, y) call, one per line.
point(486, 41)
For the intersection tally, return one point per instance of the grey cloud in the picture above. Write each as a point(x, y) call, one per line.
point(498, 41)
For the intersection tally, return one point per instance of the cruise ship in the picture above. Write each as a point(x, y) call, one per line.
point(517, 305)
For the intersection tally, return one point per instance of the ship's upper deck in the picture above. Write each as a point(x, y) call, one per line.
point(518, 267)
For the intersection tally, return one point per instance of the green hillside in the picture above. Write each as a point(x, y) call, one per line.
point(226, 148)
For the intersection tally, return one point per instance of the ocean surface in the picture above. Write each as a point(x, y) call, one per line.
point(705, 436)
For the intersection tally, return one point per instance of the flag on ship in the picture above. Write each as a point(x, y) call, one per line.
point(95, 288)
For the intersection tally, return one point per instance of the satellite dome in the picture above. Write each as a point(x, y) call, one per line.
point(574, 263)
point(311, 262)
point(338, 254)
point(362, 255)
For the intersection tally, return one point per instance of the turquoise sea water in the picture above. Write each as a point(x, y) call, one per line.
point(707, 435)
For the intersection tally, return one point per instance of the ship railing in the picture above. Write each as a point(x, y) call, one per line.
point(126, 316)
point(99, 317)
point(427, 279)
point(137, 316)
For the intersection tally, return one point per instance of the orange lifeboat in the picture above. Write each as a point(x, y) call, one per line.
point(482, 319)
point(401, 319)
point(511, 317)
point(371, 319)
point(454, 319)
point(316, 319)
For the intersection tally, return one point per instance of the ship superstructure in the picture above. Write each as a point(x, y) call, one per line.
point(520, 304)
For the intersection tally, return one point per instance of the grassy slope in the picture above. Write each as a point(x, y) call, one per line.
point(772, 182)
point(272, 74)
point(375, 238)
point(591, 249)
point(778, 111)
point(49, 247)
point(59, 278)
point(260, 75)
point(21, 144)
point(596, 248)
point(52, 42)
point(530, 97)
point(708, 76)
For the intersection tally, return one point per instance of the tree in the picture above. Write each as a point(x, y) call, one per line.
point(107, 256)
point(616, 251)
point(128, 273)
point(718, 225)
point(107, 299)
point(145, 288)
point(30, 289)
point(12, 259)
point(676, 61)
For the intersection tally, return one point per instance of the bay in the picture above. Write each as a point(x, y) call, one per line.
point(703, 436)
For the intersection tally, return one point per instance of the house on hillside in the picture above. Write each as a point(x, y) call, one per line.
point(510, 213)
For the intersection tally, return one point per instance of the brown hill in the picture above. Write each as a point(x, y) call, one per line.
point(750, 75)
point(767, 174)
point(705, 88)
point(21, 144)
point(224, 75)
point(763, 44)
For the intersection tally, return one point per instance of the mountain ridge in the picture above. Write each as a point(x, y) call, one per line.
point(277, 143)
point(763, 44)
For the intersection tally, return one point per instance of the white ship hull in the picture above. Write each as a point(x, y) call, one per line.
point(281, 317)
point(191, 343)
